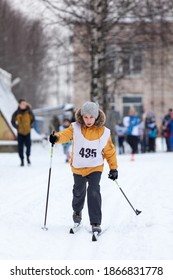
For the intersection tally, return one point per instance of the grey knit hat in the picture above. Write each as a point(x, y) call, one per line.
point(90, 108)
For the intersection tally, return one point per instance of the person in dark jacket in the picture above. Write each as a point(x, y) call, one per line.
point(22, 119)
point(165, 131)
point(151, 133)
point(170, 132)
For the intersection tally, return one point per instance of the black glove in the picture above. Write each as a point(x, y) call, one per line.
point(53, 138)
point(113, 174)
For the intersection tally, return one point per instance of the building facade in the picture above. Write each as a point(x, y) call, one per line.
point(138, 73)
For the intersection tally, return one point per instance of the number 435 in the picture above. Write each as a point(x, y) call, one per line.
point(88, 152)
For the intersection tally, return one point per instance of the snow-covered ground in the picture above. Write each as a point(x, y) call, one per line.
point(147, 182)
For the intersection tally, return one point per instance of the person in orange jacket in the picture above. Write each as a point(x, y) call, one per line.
point(91, 145)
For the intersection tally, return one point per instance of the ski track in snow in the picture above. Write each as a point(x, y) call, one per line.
point(147, 182)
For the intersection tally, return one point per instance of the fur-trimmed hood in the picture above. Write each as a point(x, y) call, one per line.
point(100, 121)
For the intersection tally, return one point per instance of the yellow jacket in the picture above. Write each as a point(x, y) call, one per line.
point(22, 120)
point(90, 133)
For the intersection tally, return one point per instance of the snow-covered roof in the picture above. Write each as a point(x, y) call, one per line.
point(53, 110)
point(8, 102)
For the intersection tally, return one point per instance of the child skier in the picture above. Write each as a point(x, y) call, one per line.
point(132, 124)
point(66, 146)
point(91, 144)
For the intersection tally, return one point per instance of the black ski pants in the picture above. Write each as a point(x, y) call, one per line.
point(133, 141)
point(93, 195)
point(151, 144)
point(24, 140)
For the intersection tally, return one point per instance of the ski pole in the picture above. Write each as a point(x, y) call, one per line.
point(137, 212)
point(48, 187)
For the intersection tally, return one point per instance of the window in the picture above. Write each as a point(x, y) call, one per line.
point(135, 101)
point(131, 61)
point(113, 59)
point(125, 60)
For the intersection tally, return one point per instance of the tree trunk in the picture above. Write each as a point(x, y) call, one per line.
point(98, 50)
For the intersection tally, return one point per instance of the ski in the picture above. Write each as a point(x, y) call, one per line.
point(95, 235)
point(75, 228)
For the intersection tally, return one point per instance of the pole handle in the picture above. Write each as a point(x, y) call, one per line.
point(53, 133)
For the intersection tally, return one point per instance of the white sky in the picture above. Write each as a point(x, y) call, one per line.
point(32, 8)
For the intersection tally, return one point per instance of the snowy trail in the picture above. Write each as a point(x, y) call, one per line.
point(147, 182)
